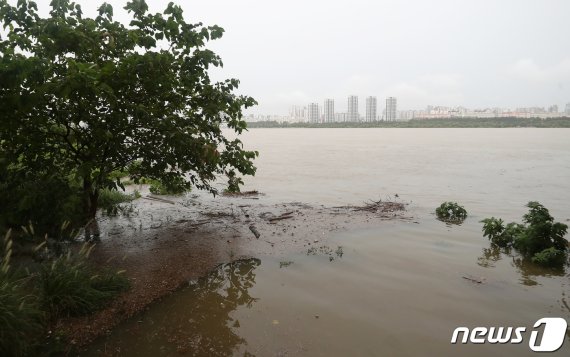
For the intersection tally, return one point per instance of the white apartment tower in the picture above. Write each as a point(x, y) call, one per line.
point(353, 115)
point(298, 113)
point(371, 105)
point(313, 113)
point(390, 109)
point(329, 110)
point(567, 109)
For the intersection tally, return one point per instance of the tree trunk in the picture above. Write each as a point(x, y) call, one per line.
point(90, 199)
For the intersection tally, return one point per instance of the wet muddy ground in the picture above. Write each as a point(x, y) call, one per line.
point(163, 242)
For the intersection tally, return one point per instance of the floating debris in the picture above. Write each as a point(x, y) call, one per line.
point(285, 264)
point(478, 280)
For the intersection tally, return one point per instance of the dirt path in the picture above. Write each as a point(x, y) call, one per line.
point(164, 242)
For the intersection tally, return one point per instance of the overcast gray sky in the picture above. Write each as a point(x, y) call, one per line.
point(476, 53)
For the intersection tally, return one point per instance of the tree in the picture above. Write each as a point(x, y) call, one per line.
point(89, 96)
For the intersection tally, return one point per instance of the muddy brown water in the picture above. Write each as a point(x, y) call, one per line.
point(397, 289)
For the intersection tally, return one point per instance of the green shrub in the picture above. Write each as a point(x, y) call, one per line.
point(44, 200)
point(451, 212)
point(540, 238)
point(513, 230)
point(169, 184)
point(176, 187)
point(110, 200)
point(549, 256)
point(69, 287)
point(493, 228)
point(21, 322)
point(118, 174)
point(498, 233)
point(541, 231)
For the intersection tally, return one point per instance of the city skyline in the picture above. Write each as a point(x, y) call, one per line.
point(315, 113)
point(530, 108)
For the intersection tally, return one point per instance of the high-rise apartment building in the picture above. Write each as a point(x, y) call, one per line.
point(298, 113)
point(329, 110)
point(313, 113)
point(340, 117)
point(567, 109)
point(353, 115)
point(371, 105)
point(390, 114)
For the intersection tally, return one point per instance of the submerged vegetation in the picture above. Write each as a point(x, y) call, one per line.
point(176, 187)
point(539, 238)
point(110, 200)
point(451, 212)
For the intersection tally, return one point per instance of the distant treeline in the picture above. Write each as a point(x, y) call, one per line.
point(429, 123)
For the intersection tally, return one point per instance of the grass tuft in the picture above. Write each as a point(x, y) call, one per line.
point(21, 321)
point(69, 287)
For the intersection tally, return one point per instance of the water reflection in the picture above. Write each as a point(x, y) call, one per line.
point(193, 322)
point(528, 270)
point(92, 231)
point(217, 295)
point(490, 256)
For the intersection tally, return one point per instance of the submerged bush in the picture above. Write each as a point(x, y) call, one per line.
point(175, 187)
point(498, 233)
point(110, 200)
point(69, 287)
point(540, 238)
point(549, 256)
point(451, 212)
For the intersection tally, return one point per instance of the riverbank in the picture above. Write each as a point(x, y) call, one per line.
point(163, 243)
point(512, 122)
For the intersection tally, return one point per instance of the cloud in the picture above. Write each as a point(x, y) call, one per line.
point(404, 89)
point(441, 81)
point(527, 69)
point(280, 102)
point(429, 89)
point(356, 84)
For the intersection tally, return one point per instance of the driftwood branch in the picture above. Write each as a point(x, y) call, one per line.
point(285, 215)
point(153, 198)
point(254, 231)
point(377, 207)
point(474, 279)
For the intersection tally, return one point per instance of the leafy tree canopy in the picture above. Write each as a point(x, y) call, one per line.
point(88, 96)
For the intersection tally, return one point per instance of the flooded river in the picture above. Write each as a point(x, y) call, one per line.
point(397, 290)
